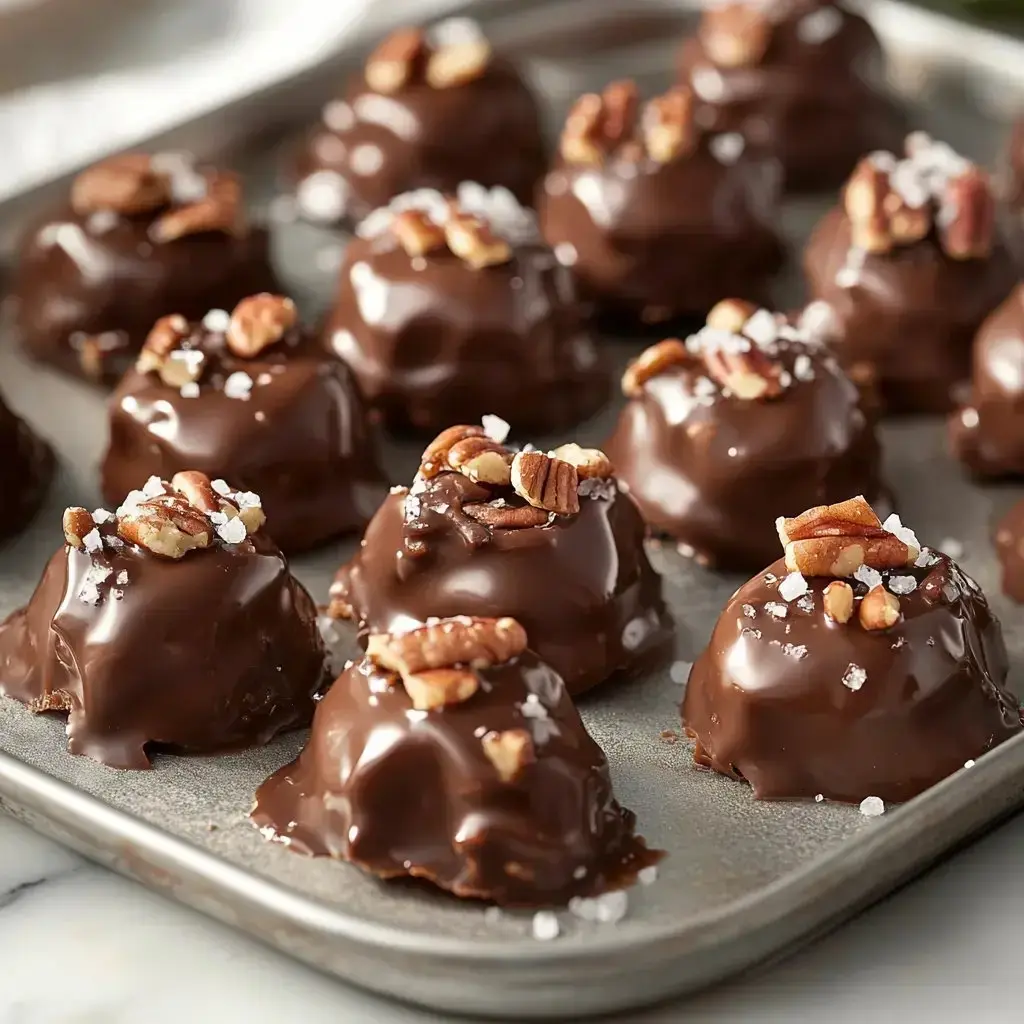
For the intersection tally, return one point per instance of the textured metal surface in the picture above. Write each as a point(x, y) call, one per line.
point(744, 881)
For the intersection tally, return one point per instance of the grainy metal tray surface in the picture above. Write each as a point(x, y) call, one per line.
point(744, 881)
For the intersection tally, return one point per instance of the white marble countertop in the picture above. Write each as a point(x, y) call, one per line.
point(79, 945)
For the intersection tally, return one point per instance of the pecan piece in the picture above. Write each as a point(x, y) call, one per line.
point(546, 483)
point(416, 233)
point(589, 462)
point(219, 210)
point(167, 334)
point(394, 61)
point(667, 126)
point(472, 240)
point(439, 687)
point(78, 524)
point(879, 609)
point(259, 322)
point(434, 459)
point(166, 525)
point(482, 460)
point(838, 601)
point(749, 374)
point(731, 315)
point(510, 751)
point(581, 138)
point(967, 227)
point(474, 642)
point(619, 106)
point(125, 184)
point(735, 35)
point(459, 63)
point(864, 202)
point(652, 362)
point(197, 490)
point(507, 517)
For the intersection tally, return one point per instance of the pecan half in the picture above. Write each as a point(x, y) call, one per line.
point(416, 233)
point(598, 123)
point(167, 334)
point(394, 61)
point(653, 362)
point(78, 523)
point(838, 601)
point(434, 459)
point(125, 184)
point(619, 102)
point(546, 483)
point(482, 460)
point(510, 751)
point(454, 65)
point(731, 315)
point(589, 462)
point(851, 518)
point(864, 202)
point(197, 490)
point(967, 230)
point(668, 127)
point(507, 517)
point(439, 687)
point(219, 210)
point(166, 525)
point(259, 322)
point(474, 642)
point(879, 609)
point(735, 35)
point(749, 374)
point(472, 240)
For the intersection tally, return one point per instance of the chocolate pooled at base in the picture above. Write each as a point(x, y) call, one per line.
point(657, 218)
point(26, 469)
point(552, 540)
point(909, 265)
point(250, 396)
point(431, 109)
point(858, 665)
point(142, 237)
point(748, 418)
point(452, 307)
point(481, 780)
point(173, 623)
point(801, 81)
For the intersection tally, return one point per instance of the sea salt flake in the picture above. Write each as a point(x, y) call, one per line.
point(854, 677)
point(89, 593)
point(793, 586)
point(248, 499)
point(803, 368)
point(749, 611)
point(818, 797)
point(869, 577)
point(101, 515)
point(232, 532)
point(797, 651)
point(680, 671)
point(926, 558)
point(238, 385)
point(217, 518)
point(545, 925)
point(532, 707)
point(727, 148)
point(762, 328)
point(806, 604)
point(898, 643)
point(495, 427)
point(753, 634)
point(217, 321)
point(872, 806)
point(98, 573)
point(93, 542)
point(770, 578)
point(122, 577)
point(903, 533)
point(153, 487)
point(776, 609)
point(221, 487)
point(902, 584)
point(190, 389)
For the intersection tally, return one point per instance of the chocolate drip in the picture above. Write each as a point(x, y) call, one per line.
point(26, 468)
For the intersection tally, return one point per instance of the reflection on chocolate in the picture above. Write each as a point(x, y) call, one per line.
point(749, 419)
point(26, 468)
point(431, 110)
point(500, 795)
point(910, 264)
point(657, 217)
point(880, 684)
point(797, 81)
point(567, 561)
point(1009, 538)
point(448, 310)
point(141, 237)
point(173, 622)
point(250, 396)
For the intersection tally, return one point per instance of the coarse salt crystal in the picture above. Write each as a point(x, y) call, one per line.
point(232, 532)
point(238, 385)
point(797, 651)
point(793, 586)
point(776, 609)
point(89, 593)
point(532, 707)
point(495, 427)
point(872, 806)
point(92, 541)
point(749, 611)
point(217, 320)
point(727, 148)
point(806, 603)
point(545, 925)
point(190, 389)
point(248, 499)
point(854, 677)
point(217, 518)
point(869, 577)
point(902, 584)
point(818, 797)
point(101, 515)
point(754, 634)
point(221, 487)
point(904, 533)
point(122, 577)
point(98, 573)
point(803, 368)
point(762, 328)
point(153, 487)
point(926, 558)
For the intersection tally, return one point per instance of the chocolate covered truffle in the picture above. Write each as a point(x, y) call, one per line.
point(253, 397)
point(141, 237)
point(550, 539)
point(26, 468)
point(658, 217)
point(172, 623)
point(748, 418)
point(453, 753)
point(450, 308)
point(431, 109)
point(1009, 539)
point(909, 265)
point(859, 665)
point(797, 80)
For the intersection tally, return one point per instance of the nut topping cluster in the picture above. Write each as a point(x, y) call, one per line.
point(452, 54)
point(466, 235)
point(186, 201)
point(892, 203)
point(169, 519)
point(609, 123)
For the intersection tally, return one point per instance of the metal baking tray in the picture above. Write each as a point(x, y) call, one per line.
point(744, 882)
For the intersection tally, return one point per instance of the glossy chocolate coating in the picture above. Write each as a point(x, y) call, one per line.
point(216, 651)
point(906, 318)
point(433, 341)
point(375, 147)
point(1009, 543)
point(714, 474)
point(767, 702)
point(581, 585)
point(101, 275)
point(809, 102)
point(299, 439)
point(26, 468)
point(650, 241)
point(404, 792)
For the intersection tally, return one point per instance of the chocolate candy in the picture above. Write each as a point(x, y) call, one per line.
point(454, 754)
point(171, 623)
point(551, 540)
point(656, 217)
point(796, 80)
point(253, 397)
point(910, 264)
point(26, 468)
point(431, 109)
point(750, 417)
point(448, 309)
point(140, 238)
point(858, 665)
point(1009, 542)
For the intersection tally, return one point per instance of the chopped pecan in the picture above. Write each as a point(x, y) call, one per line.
point(735, 34)
point(851, 518)
point(416, 233)
point(879, 609)
point(78, 523)
point(731, 315)
point(458, 63)
point(167, 334)
point(652, 362)
point(434, 459)
point(506, 517)
point(125, 184)
point(482, 460)
point(166, 525)
point(967, 228)
point(510, 751)
point(197, 490)
point(90, 357)
point(472, 240)
point(838, 601)
point(219, 210)
point(749, 374)
point(259, 322)
point(864, 201)
point(619, 106)
point(394, 61)
point(668, 126)
point(474, 642)
point(597, 124)
point(546, 483)
point(439, 687)
point(589, 462)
